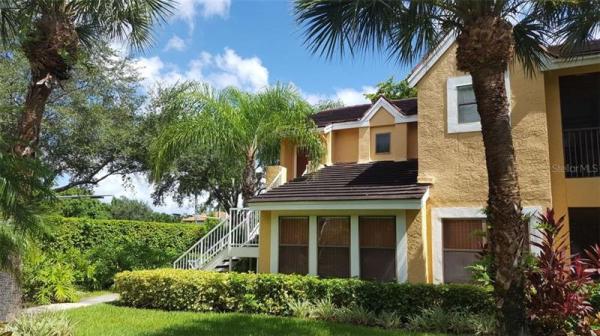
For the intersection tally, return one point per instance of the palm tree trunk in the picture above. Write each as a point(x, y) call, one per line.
point(30, 122)
point(508, 231)
point(249, 178)
point(10, 296)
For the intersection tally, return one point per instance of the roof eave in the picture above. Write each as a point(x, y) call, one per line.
point(371, 204)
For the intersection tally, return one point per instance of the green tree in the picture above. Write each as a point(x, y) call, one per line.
point(24, 186)
point(130, 209)
point(392, 90)
point(52, 33)
point(490, 34)
point(244, 127)
point(92, 126)
point(78, 202)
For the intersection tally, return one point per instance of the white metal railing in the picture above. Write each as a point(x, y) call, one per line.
point(244, 227)
point(239, 229)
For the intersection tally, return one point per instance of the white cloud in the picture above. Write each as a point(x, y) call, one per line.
point(187, 10)
point(175, 43)
point(221, 70)
point(348, 96)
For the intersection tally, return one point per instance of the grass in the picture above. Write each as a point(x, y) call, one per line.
point(109, 320)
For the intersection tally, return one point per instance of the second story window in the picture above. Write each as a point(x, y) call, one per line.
point(382, 143)
point(467, 106)
point(461, 105)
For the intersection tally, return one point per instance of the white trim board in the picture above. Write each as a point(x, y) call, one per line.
point(421, 70)
point(438, 214)
point(409, 204)
point(562, 63)
point(399, 118)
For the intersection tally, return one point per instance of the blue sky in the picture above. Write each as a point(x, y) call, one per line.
point(249, 44)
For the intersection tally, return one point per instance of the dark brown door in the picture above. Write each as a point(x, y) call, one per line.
point(462, 244)
point(301, 162)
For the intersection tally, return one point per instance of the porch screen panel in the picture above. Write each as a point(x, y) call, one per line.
point(333, 247)
point(462, 243)
point(293, 245)
point(377, 237)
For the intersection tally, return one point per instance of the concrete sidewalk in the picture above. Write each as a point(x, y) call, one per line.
point(66, 306)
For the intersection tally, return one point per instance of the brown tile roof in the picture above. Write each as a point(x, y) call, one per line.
point(381, 180)
point(352, 113)
point(590, 48)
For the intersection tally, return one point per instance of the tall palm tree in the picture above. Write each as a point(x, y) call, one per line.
point(51, 33)
point(490, 34)
point(245, 127)
point(24, 183)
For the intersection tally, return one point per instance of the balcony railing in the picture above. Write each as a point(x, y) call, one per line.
point(582, 152)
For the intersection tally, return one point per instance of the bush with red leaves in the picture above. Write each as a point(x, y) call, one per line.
point(558, 300)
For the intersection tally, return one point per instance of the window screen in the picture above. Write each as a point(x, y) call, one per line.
point(334, 247)
point(377, 236)
point(382, 143)
point(467, 106)
point(293, 245)
point(462, 242)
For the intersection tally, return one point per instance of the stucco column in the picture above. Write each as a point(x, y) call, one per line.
point(364, 144)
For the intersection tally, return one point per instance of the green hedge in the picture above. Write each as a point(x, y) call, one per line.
point(96, 249)
point(85, 234)
point(170, 289)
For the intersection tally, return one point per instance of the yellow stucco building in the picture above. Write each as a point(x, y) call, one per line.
point(403, 184)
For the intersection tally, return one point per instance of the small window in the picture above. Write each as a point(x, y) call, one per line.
point(467, 106)
point(461, 105)
point(382, 143)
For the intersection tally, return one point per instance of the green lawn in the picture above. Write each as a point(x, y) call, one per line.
point(108, 320)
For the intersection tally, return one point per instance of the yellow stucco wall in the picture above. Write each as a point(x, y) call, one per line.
point(287, 151)
point(573, 192)
point(264, 242)
point(416, 258)
point(345, 145)
point(456, 161)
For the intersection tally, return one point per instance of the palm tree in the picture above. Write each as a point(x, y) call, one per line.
point(490, 34)
point(51, 33)
point(24, 184)
point(245, 128)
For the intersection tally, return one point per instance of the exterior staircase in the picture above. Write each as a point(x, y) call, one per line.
point(233, 238)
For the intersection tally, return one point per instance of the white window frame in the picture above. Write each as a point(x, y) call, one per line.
point(439, 214)
point(452, 104)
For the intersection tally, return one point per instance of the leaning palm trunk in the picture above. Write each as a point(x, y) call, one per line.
point(30, 121)
point(508, 232)
point(485, 49)
point(10, 296)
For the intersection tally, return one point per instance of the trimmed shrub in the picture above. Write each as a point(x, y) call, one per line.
point(90, 252)
point(170, 289)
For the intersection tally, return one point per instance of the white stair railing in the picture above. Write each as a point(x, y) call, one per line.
point(240, 229)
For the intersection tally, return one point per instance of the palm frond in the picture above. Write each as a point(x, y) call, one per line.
point(531, 36)
point(9, 10)
point(127, 20)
